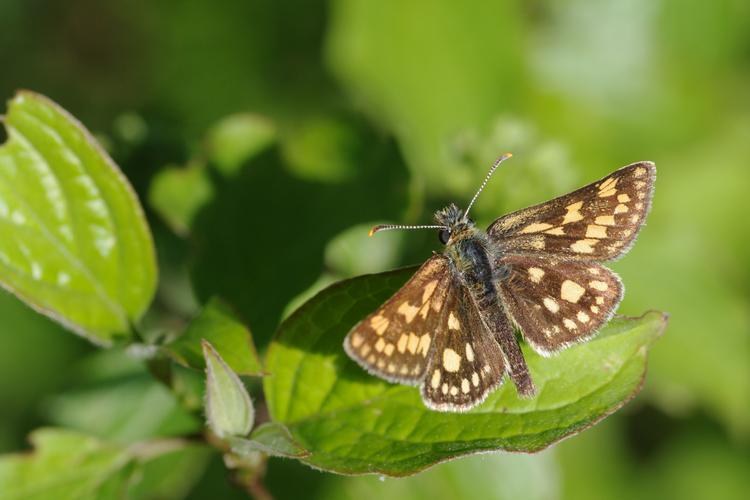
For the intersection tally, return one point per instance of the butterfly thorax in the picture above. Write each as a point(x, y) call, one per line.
point(470, 253)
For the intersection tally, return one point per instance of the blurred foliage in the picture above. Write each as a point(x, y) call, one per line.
point(383, 111)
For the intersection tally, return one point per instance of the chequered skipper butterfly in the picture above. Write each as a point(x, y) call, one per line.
point(450, 328)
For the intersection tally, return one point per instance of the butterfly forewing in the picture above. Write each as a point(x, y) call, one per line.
point(466, 363)
point(597, 222)
point(558, 303)
point(395, 341)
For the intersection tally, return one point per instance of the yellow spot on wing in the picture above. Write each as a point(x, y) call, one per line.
point(556, 231)
point(605, 220)
point(429, 289)
point(535, 227)
point(537, 243)
point(551, 304)
point(621, 209)
point(424, 309)
point(401, 346)
point(465, 386)
point(454, 390)
point(453, 323)
point(413, 343)
point(594, 231)
point(574, 213)
point(469, 352)
point(424, 344)
point(357, 340)
point(475, 379)
point(623, 198)
point(379, 324)
point(379, 345)
point(536, 274)
point(584, 246)
point(583, 317)
point(570, 324)
point(408, 311)
point(571, 291)
point(388, 349)
point(599, 285)
point(435, 382)
point(608, 184)
point(451, 360)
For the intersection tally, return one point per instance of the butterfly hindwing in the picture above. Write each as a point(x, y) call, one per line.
point(394, 342)
point(597, 222)
point(466, 363)
point(558, 303)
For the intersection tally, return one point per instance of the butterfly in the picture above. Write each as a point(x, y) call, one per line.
point(451, 328)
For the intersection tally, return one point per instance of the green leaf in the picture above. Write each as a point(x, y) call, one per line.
point(237, 138)
point(228, 407)
point(351, 422)
point(71, 465)
point(100, 470)
point(177, 194)
point(75, 244)
point(233, 341)
point(270, 438)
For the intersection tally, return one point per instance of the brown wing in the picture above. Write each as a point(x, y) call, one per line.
point(466, 363)
point(394, 341)
point(558, 303)
point(597, 222)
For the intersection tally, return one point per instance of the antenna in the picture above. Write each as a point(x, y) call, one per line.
point(486, 179)
point(387, 227)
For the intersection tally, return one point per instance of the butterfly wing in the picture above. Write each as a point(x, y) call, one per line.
point(466, 364)
point(394, 341)
point(597, 222)
point(556, 303)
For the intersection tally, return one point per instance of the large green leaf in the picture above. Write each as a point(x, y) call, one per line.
point(74, 243)
point(351, 422)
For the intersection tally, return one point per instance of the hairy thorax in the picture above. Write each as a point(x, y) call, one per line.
point(472, 261)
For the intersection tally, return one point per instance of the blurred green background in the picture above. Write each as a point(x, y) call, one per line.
point(264, 137)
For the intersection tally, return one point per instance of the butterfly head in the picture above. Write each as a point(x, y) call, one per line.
point(453, 223)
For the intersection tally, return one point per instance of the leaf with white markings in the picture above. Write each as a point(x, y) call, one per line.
point(74, 242)
point(350, 422)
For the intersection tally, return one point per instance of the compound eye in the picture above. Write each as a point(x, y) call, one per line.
point(444, 235)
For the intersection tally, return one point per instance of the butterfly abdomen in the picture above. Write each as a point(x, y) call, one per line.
point(474, 267)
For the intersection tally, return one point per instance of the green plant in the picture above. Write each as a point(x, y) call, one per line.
point(76, 247)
